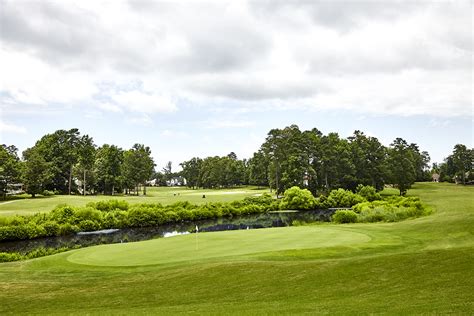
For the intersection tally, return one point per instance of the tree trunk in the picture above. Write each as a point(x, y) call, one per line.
point(136, 189)
point(113, 189)
point(70, 180)
point(144, 189)
point(277, 186)
point(84, 183)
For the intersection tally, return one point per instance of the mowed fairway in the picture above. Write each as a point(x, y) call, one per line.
point(419, 266)
point(164, 195)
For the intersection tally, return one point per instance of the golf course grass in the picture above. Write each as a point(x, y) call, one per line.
point(164, 195)
point(206, 246)
point(417, 266)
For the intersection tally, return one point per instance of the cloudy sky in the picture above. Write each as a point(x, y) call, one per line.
point(195, 78)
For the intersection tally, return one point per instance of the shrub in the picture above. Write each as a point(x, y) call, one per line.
point(342, 198)
point(51, 228)
point(344, 216)
point(67, 228)
point(297, 199)
point(88, 213)
point(115, 219)
point(141, 217)
point(109, 205)
point(368, 192)
point(63, 214)
point(88, 225)
point(47, 193)
point(8, 257)
point(391, 209)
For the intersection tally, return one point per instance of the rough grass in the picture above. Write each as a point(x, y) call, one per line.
point(164, 195)
point(418, 266)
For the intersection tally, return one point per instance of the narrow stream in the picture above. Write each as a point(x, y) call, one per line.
point(109, 236)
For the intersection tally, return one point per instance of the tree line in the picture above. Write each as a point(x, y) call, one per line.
point(458, 166)
point(67, 162)
point(309, 159)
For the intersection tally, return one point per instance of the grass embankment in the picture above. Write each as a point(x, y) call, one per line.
point(164, 195)
point(416, 266)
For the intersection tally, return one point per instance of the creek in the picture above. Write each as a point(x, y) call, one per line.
point(109, 236)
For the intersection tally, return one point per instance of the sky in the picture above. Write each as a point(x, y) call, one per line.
point(204, 78)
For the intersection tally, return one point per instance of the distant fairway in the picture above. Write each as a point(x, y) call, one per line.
point(164, 195)
point(418, 266)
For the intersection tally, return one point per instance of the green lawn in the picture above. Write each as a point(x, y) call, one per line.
point(164, 195)
point(419, 266)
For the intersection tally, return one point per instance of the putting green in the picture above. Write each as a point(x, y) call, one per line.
point(213, 245)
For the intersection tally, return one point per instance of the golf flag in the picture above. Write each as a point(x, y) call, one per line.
point(197, 230)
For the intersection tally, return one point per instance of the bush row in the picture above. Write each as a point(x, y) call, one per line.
point(302, 199)
point(392, 209)
point(66, 219)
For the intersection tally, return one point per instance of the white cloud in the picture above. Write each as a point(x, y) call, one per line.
point(138, 101)
point(396, 58)
point(228, 124)
point(12, 128)
point(173, 134)
point(143, 120)
point(109, 107)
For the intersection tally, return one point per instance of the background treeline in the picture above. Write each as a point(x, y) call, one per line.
point(308, 159)
point(67, 162)
point(457, 167)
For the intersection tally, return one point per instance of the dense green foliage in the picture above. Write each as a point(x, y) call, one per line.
point(341, 198)
point(67, 162)
point(137, 167)
point(325, 162)
point(215, 172)
point(344, 217)
point(368, 192)
point(298, 199)
point(368, 206)
point(10, 168)
point(392, 209)
point(301, 199)
point(457, 167)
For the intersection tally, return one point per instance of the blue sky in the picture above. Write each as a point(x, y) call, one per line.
point(207, 78)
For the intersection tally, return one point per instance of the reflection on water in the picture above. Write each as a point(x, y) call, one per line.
point(175, 233)
point(110, 236)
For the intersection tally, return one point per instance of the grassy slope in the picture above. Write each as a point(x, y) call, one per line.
point(162, 195)
point(416, 266)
